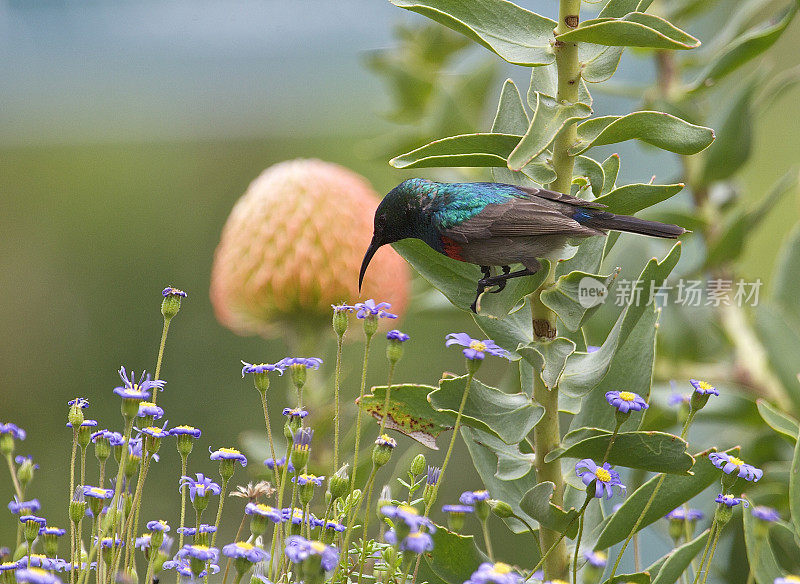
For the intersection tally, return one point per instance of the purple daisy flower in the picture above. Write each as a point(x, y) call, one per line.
point(24, 507)
point(97, 492)
point(396, 335)
point(34, 519)
point(192, 531)
point(155, 432)
point(386, 440)
point(228, 454)
point(474, 497)
point(16, 432)
point(159, 525)
point(185, 430)
point(183, 568)
point(52, 531)
point(463, 509)
point(677, 399)
point(370, 308)
point(202, 486)
point(199, 552)
point(270, 464)
point(729, 464)
point(115, 438)
point(246, 551)
point(299, 548)
point(262, 510)
point(497, 573)
point(432, 477)
point(84, 424)
point(731, 501)
point(475, 349)
point(765, 513)
point(703, 387)
point(417, 542)
point(307, 362)
point(141, 390)
point(150, 409)
point(606, 478)
point(261, 368)
point(408, 515)
point(80, 402)
point(170, 291)
point(681, 514)
point(36, 576)
point(789, 579)
point(626, 401)
point(305, 479)
point(295, 412)
point(596, 559)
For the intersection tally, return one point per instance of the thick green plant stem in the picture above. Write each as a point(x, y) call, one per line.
point(569, 76)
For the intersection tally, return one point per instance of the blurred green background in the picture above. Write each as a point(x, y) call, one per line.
point(127, 132)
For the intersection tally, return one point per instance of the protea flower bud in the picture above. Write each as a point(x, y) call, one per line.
point(293, 245)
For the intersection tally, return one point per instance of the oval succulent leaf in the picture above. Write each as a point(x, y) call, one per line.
point(635, 29)
point(516, 35)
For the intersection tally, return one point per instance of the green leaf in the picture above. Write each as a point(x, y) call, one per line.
point(598, 63)
point(674, 491)
point(509, 332)
point(744, 48)
point(635, 29)
point(630, 199)
point(736, 231)
point(619, 8)
point(509, 416)
point(734, 140)
point(514, 461)
point(410, 412)
point(651, 451)
point(593, 171)
point(510, 118)
point(677, 561)
point(549, 118)
point(637, 578)
point(785, 544)
point(516, 35)
point(544, 80)
point(760, 556)
point(569, 297)
point(658, 129)
point(780, 337)
point(794, 488)
point(780, 422)
point(485, 461)
point(537, 503)
point(610, 170)
point(454, 557)
point(584, 371)
point(787, 275)
point(548, 358)
point(458, 280)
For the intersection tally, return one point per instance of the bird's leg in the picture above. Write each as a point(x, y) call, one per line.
point(506, 270)
point(487, 273)
point(501, 279)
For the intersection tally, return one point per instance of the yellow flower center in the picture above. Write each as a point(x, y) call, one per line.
point(409, 509)
point(153, 429)
point(229, 450)
point(602, 475)
point(600, 556)
point(479, 493)
point(265, 508)
point(501, 568)
point(146, 405)
point(705, 385)
point(201, 548)
point(557, 581)
point(244, 545)
point(317, 546)
point(627, 396)
point(736, 461)
point(40, 572)
point(792, 578)
point(477, 345)
point(186, 427)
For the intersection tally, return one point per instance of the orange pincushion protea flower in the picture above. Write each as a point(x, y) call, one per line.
point(293, 245)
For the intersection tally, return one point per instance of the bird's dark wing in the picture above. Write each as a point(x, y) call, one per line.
point(560, 198)
point(519, 218)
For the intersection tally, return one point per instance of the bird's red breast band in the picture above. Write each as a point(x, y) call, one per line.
point(452, 249)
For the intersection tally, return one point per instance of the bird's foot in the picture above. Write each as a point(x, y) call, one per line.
point(506, 270)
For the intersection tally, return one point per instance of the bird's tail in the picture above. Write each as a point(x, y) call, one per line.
point(635, 225)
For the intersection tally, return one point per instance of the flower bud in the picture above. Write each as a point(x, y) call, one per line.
point(77, 510)
point(171, 303)
point(340, 320)
point(382, 451)
point(370, 325)
point(25, 471)
point(418, 464)
point(339, 483)
point(501, 508)
point(102, 448)
point(75, 415)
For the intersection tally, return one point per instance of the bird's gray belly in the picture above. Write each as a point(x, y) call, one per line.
point(501, 251)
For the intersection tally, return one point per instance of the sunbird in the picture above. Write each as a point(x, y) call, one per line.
point(495, 224)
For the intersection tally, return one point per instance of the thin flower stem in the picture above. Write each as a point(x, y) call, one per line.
point(487, 540)
point(370, 487)
point(566, 529)
point(228, 563)
point(217, 520)
point(711, 555)
point(526, 524)
point(577, 549)
point(238, 578)
point(386, 400)
point(277, 532)
point(114, 506)
point(711, 533)
point(133, 519)
point(611, 442)
point(349, 531)
point(79, 531)
point(336, 379)
point(69, 498)
point(17, 488)
point(184, 464)
point(359, 415)
point(161, 346)
point(269, 439)
point(649, 503)
point(637, 563)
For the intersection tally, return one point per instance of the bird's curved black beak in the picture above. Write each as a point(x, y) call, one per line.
point(373, 247)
